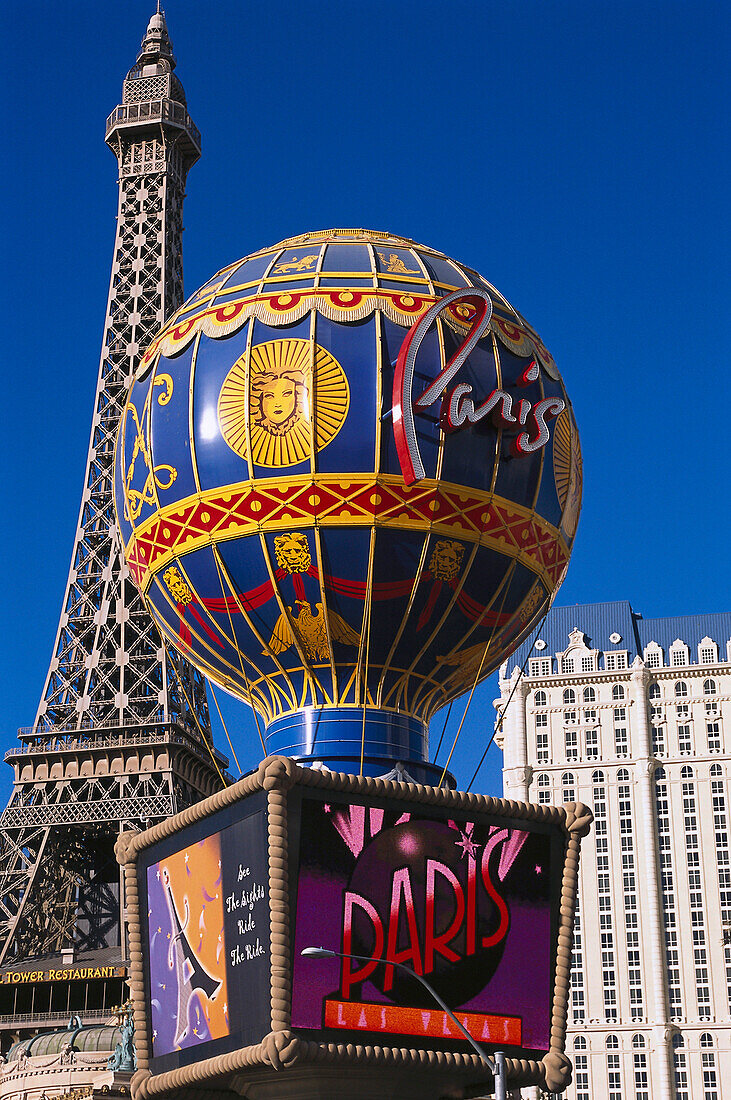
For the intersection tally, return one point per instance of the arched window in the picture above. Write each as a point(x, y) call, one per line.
point(540, 699)
point(678, 1042)
point(623, 776)
point(589, 695)
point(681, 690)
point(597, 777)
point(655, 692)
point(544, 789)
point(706, 1040)
point(568, 784)
point(638, 1042)
point(709, 687)
point(569, 696)
point(612, 1042)
point(580, 1042)
point(617, 692)
point(716, 771)
point(659, 773)
point(686, 772)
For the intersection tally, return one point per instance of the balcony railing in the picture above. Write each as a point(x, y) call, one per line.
point(156, 110)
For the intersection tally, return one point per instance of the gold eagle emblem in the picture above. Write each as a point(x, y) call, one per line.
point(311, 632)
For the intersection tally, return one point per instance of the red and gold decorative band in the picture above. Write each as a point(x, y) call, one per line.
point(339, 304)
point(359, 500)
point(284, 307)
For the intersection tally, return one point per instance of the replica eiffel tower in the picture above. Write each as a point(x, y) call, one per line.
point(122, 735)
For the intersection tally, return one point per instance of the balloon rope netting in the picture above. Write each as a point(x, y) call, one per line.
point(504, 710)
point(195, 716)
point(506, 587)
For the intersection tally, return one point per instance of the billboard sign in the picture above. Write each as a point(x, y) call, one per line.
point(469, 901)
point(207, 936)
point(474, 894)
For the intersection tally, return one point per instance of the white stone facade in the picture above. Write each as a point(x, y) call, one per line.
point(642, 735)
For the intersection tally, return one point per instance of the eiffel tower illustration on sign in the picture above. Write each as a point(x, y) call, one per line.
point(122, 736)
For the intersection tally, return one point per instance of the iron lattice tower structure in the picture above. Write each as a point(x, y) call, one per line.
point(120, 736)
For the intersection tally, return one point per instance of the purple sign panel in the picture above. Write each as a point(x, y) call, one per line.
point(469, 902)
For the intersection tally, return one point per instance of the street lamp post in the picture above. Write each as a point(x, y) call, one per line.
point(496, 1064)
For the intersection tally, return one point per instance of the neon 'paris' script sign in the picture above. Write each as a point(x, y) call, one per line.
point(458, 406)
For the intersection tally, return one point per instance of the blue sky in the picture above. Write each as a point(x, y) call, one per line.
point(574, 153)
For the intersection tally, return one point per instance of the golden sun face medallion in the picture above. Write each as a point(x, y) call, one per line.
point(282, 401)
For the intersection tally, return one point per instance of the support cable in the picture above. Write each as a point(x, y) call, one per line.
point(507, 581)
point(504, 710)
point(197, 721)
point(444, 730)
point(225, 729)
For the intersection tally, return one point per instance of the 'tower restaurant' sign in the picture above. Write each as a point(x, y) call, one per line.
point(474, 894)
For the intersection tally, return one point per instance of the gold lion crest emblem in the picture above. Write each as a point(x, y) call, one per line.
point(292, 552)
point(446, 560)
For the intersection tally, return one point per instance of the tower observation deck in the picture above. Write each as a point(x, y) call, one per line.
point(122, 733)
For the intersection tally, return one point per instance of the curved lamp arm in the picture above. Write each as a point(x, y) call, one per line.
point(496, 1065)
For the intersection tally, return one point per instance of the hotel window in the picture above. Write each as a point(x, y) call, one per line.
point(642, 1084)
point(617, 691)
point(590, 717)
point(542, 738)
point(707, 652)
point(615, 661)
point(569, 717)
point(578, 1005)
point(614, 1072)
point(681, 1068)
point(572, 745)
point(567, 664)
point(587, 664)
point(713, 731)
point(621, 743)
point(629, 886)
point(685, 744)
point(668, 892)
point(540, 699)
point(544, 789)
point(678, 654)
point(695, 894)
point(569, 697)
point(568, 786)
point(653, 657)
point(655, 692)
point(581, 1069)
point(709, 687)
point(592, 744)
point(604, 895)
point(589, 695)
point(540, 666)
point(723, 860)
point(681, 690)
point(708, 1064)
point(658, 740)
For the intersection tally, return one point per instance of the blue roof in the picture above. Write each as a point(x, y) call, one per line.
point(599, 621)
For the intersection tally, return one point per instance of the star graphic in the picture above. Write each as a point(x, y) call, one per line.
point(327, 808)
point(469, 847)
point(539, 869)
point(186, 857)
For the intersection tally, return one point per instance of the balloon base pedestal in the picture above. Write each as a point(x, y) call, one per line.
point(359, 741)
point(398, 883)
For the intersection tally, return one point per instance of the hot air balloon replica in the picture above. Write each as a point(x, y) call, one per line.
point(348, 480)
